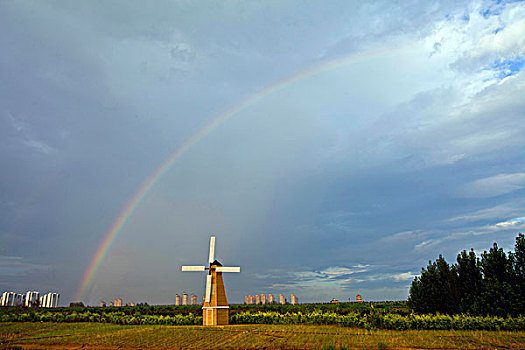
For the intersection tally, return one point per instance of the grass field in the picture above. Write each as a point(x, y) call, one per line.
point(109, 336)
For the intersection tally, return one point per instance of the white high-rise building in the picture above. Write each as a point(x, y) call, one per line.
point(18, 299)
point(31, 298)
point(270, 299)
point(42, 301)
point(11, 299)
point(49, 300)
point(6, 299)
point(3, 301)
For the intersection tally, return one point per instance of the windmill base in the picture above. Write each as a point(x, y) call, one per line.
point(215, 315)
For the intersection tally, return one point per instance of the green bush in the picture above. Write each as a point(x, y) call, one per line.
point(380, 318)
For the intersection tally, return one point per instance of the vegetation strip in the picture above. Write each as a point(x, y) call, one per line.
point(373, 320)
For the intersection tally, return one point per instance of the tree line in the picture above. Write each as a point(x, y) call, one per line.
point(491, 285)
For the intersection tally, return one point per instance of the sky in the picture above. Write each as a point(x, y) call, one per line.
point(333, 148)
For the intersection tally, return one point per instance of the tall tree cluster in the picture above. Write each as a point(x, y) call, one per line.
point(491, 285)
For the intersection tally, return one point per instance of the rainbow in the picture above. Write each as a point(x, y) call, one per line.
point(152, 179)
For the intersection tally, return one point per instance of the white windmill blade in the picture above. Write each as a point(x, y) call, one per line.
point(212, 249)
point(208, 289)
point(227, 269)
point(194, 268)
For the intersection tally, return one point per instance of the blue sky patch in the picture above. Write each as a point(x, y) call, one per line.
point(495, 8)
point(508, 67)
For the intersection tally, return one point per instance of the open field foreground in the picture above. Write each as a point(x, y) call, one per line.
point(109, 336)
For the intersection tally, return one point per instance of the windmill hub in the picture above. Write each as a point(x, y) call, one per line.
point(215, 310)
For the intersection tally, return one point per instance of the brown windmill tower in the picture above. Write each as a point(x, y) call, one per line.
point(215, 310)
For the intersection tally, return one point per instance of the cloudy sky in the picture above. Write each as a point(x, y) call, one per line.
point(381, 134)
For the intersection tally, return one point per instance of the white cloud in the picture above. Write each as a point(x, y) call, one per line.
point(405, 236)
point(336, 271)
point(493, 186)
point(394, 276)
point(469, 232)
point(508, 42)
point(499, 211)
point(24, 135)
point(18, 125)
point(331, 273)
point(39, 146)
point(333, 276)
point(513, 223)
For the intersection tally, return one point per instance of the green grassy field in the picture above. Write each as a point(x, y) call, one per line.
point(110, 336)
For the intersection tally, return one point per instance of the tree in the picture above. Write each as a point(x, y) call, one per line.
point(497, 294)
point(518, 262)
point(469, 281)
point(447, 295)
point(436, 289)
point(423, 292)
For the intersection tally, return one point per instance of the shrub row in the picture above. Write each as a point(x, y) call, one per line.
point(110, 317)
point(369, 321)
point(385, 321)
point(343, 308)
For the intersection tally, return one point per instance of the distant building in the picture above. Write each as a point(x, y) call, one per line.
point(118, 302)
point(76, 304)
point(270, 299)
point(264, 299)
point(3, 301)
point(249, 299)
point(334, 301)
point(358, 298)
point(130, 304)
point(111, 303)
point(184, 298)
point(177, 300)
point(11, 299)
point(49, 300)
point(102, 303)
point(18, 299)
point(194, 300)
point(31, 299)
point(294, 300)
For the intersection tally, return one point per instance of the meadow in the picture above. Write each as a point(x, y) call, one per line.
point(27, 335)
point(386, 325)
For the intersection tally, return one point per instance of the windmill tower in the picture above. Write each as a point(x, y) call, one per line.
point(215, 310)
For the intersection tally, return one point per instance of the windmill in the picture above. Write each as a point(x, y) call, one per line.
point(215, 308)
